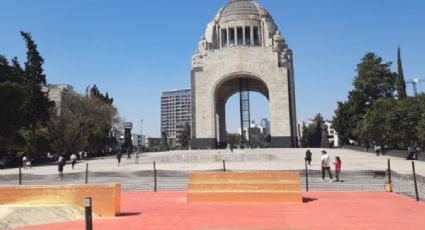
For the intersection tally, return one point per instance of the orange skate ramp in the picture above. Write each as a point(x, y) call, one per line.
point(106, 199)
point(264, 187)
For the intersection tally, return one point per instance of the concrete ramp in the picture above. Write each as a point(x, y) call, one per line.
point(14, 216)
point(263, 187)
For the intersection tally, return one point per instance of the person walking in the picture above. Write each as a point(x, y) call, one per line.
point(119, 155)
point(28, 164)
point(326, 162)
point(128, 153)
point(377, 150)
point(61, 164)
point(73, 159)
point(24, 161)
point(337, 164)
point(308, 156)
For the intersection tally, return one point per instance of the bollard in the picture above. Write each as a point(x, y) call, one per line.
point(306, 176)
point(20, 176)
point(154, 176)
point(88, 212)
point(87, 173)
point(414, 179)
point(388, 184)
point(224, 166)
point(389, 170)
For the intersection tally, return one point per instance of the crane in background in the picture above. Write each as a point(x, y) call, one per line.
point(415, 83)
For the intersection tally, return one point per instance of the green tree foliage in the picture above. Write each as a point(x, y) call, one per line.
point(94, 92)
point(12, 97)
point(233, 139)
point(407, 116)
point(36, 105)
point(401, 84)
point(84, 123)
point(343, 121)
point(374, 80)
point(312, 133)
point(28, 120)
point(420, 135)
point(377, 121)
point(394, 123)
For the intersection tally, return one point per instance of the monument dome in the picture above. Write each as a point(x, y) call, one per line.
point(241, 23)
point(241, 10)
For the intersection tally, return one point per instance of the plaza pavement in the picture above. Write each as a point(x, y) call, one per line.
point(320, 210)
point(239, 160)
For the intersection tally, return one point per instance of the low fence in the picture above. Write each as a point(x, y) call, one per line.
point(163, 180)
point(388, 152)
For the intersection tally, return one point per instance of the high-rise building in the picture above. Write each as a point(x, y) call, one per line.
point(175, 110)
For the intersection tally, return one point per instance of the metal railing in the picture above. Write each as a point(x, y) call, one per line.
point(169, 180)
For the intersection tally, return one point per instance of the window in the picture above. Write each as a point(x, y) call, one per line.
point(232, 36)
point(239, 31)
point(256, 36)
point(224, 37)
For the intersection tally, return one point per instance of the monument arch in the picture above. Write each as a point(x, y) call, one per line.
point(242, 51)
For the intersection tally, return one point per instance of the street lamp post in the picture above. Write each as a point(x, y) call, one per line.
point(141, 132)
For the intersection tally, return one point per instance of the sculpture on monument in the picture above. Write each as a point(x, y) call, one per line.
point(242, 51)
point(127, 146)
point(163, 145)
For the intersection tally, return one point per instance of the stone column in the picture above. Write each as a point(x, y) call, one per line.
point(220, 38)
point(252, 35)
point(227, 37)
point(236, 35)
point(244, 35)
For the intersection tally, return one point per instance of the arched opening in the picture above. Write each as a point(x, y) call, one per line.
point(238, 92)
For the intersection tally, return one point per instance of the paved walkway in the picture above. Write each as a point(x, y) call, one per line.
point(257, 159)
point(320, 210)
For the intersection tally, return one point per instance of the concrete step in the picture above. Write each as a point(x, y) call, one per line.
point(244, 187)
point(252, 197)
point(267, 187)
point(269, 176)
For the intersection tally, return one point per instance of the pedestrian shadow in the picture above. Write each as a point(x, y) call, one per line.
point(308, 199)
point(124, 214)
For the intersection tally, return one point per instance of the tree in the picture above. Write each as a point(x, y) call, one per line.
point(83, 124)
point(374, 80)
point(342, 121)
point(184, 137)
point(312, 134)
point(12, 96)
point(36, 105)
point(377, 124)
point(401, 84)
point(420, 127)
point(406, 118)
point(233, 139)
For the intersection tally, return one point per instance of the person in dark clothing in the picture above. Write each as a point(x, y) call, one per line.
point(61, 163)
point(308, 156)
point(119, 155)
point(128, 153)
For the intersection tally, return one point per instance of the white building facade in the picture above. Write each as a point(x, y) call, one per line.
point(175, 111)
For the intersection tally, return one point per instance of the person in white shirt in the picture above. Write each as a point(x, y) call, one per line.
point(326, 165)
point(24, 162)
point(73, 159)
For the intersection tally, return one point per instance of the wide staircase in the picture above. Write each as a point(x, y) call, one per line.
point(264, 187)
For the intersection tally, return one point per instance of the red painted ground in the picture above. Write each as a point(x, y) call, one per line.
point(324, 210)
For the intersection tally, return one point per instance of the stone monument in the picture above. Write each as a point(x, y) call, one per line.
point(242, 51)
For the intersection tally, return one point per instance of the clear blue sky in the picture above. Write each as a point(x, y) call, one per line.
point(135, 49)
